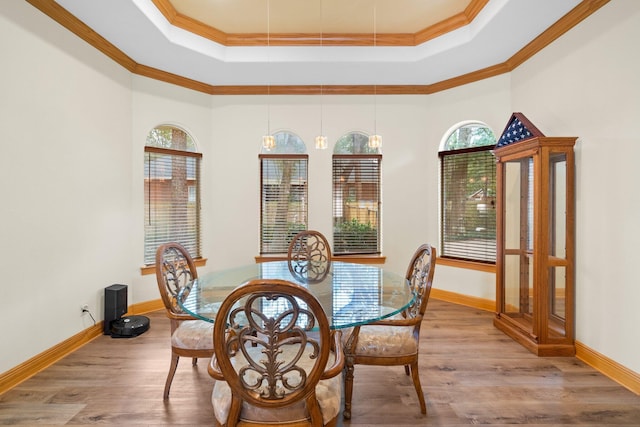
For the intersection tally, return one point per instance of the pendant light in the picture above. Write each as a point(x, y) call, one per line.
point(268, 141)
point(375, 140)
point(321, 140)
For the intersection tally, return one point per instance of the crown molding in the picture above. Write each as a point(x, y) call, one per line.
point(571, 19)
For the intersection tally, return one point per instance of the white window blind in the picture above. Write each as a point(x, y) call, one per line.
point(468, 209)
point(283, 207)
point(172, 200)
point(356, 203)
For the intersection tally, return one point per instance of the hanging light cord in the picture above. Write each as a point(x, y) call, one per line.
point(375, 86)
point(321, 85)
point(268, 67)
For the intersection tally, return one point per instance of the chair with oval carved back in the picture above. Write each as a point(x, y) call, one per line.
point(309, 256)
point(276, 361)
point(393, 341)
point(190, 337)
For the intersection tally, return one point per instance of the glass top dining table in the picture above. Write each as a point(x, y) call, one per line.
point(351, 294)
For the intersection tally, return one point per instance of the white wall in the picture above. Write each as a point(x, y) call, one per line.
point(76, 123)
point(587, 84)
point(155, 103)
point(66, 217)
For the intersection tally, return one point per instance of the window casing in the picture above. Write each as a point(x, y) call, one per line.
point(171, 192)
point(468, 194)
point(283, 193)
point(356, 196)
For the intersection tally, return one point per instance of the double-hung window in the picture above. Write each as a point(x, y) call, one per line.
point(356, 196)
point(171, 191)
point(468, 194)
point(283, 193)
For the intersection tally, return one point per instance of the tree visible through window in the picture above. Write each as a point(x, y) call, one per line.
point(171, 191)
point(283, 190)
point(468, 194)
point(356, 196)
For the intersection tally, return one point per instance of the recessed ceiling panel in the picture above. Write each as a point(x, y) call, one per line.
point(311, 16)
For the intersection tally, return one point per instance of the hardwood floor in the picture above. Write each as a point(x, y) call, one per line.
point(471, 374)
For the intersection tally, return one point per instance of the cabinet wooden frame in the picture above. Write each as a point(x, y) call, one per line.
point(533, 320)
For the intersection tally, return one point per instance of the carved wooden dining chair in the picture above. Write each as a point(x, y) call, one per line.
point(395, 340)
point(276, 361)
point(309, 256)
point(190, 337)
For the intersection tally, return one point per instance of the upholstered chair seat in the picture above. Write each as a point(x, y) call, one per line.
point(193, 335)
point(328, 393)
point(384, 341)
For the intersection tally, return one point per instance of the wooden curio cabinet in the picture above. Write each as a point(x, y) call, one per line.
point(535, 240)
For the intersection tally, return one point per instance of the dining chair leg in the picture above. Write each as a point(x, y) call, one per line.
point(406, 370)
point(416, 382)
point(348, 388)
point(194, 361)
point(172, 372)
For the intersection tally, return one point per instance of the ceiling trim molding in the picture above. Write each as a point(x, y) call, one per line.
point(452, 23)
point(314, 39)
point(52, 9)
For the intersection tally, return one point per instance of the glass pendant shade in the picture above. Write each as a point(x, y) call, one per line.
point(268, 142)
point(321, 142)
point(375, 141)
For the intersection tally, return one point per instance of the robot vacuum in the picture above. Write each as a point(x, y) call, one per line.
point(129, 326)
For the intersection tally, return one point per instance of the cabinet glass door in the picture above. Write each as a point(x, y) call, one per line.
point(557, 240)
point(518, 259)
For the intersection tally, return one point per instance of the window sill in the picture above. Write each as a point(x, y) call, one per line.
point(151, 269)
point(359, 259)
point(469, 265)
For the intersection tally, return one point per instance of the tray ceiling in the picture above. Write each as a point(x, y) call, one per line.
point(318, 42)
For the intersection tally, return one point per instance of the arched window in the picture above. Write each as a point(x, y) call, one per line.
point(356, 196)
point(468, 193)
point(171, 191)
point(283, 192)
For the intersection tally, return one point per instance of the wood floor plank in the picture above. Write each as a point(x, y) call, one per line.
point(471, 373)
point(37, 413)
